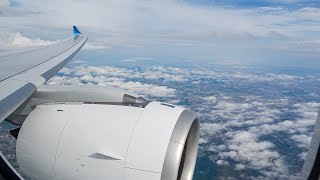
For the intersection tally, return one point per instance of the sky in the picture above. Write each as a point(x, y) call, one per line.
point(262, 32)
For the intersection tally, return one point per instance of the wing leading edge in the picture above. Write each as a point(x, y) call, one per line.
point(22, 72)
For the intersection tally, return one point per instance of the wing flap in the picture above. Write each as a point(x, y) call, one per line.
point(12, 94)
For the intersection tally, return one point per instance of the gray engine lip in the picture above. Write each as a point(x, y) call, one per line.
point(187, 126)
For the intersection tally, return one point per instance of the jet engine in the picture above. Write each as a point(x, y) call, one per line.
point(135, 139)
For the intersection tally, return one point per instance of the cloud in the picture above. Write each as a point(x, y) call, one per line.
point(4, 3)
point(210, 129)
point(249, 152)
point(136, 87)
point(152, 73)
point(241, 133)
point(110, 76)
point(303, 46)
point(210, 99)
point(64, 80)
point(129, 60)
point(95, 46)
point(245, 147)
point(242, 146)
point(17, 40)
point(134, 23)
point(307, 114)
point(184, 74)
point(77, 62)
point(8, 9)
point(222, 162)
point(302, 139)
point(239, 75)
point(244, 114)
point(240, 167)
point(135, 59)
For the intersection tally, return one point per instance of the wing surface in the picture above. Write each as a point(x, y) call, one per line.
point(21, 72)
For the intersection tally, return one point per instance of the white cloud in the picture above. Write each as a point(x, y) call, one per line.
point(18, 40)
point(236, 131)
point(133, 23)
point(246, 148)
point(4, 3)
point(136, 87)
point(167, 74)
point(7, 11)
point(303, 155)
point(211, 99)
point(302, 139)
point(148, 89)
point(202, 141)
point(105, 71)
point(65, 71)
point(95, 46)
point(209, 129)
point(308, 113)
point(240, 166)
point(79, 62)
point(64, 80)
point(110, 76)
point(241, 76)
point(135, 59)
point(129, 60)
point(222, 162)
point(244, 114)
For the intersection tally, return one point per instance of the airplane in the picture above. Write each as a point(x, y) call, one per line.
point(89, 132)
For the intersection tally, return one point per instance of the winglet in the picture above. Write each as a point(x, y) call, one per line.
point(76, 32)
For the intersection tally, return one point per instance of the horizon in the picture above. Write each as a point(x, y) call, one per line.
point(282, 33)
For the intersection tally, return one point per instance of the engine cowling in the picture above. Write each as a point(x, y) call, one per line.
point(101, 141)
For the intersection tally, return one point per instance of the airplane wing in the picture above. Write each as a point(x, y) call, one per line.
point(311, 167)
point(22, 72)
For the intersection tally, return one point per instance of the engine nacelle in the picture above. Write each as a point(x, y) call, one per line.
point(100, 141)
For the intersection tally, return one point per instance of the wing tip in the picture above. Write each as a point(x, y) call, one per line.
point(76, 31)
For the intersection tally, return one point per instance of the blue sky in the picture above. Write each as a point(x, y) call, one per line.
point(237, 30)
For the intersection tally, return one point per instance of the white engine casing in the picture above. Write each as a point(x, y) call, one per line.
point(100, 141)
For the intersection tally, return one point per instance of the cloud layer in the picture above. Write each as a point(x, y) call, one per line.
point(253, 123)
point(111, 76)
point(17, 40)
point(178, 24)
